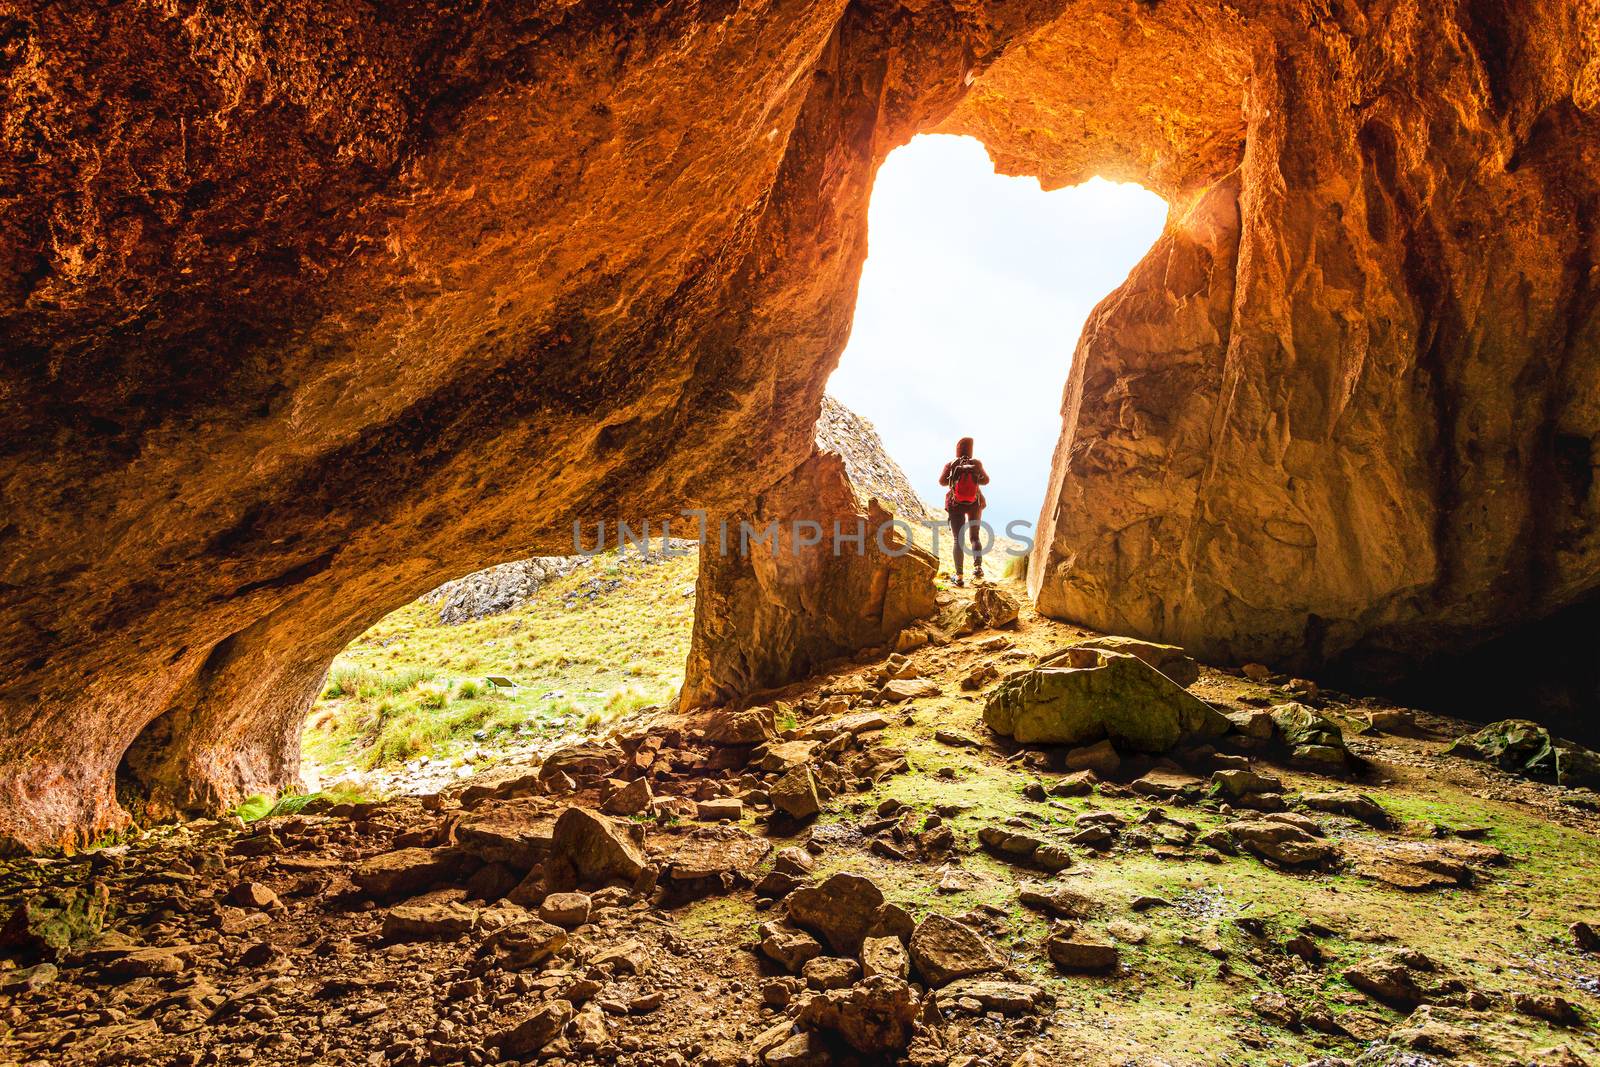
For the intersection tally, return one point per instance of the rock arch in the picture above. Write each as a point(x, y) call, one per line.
point(301, 303)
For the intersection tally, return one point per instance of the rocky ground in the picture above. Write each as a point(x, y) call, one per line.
point(863, 869)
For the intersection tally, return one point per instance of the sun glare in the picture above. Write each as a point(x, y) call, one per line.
point(974, 292)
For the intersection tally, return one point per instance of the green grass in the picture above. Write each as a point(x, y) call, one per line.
point(411, 687)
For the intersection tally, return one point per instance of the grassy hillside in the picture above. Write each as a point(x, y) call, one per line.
point(607, 639)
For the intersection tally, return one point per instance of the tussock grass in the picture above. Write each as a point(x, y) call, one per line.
point(588, 649)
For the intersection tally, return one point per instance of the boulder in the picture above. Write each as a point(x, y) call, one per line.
point(885, 955)
point(1058, 900)
point(764, 618)
point(1282, 842)
point(634, 798)
point(1100, 758)
point(842, 910)
point(795, 794)
point(531, 1035)
point(428, 922)
point(874, 1016)
point(525, 945)
point(1119, 697)
point(408, 871)
point(788, 946)
point(992, 608)
point(1525, 748)
point(565, 909)
point(943, 950)
point(595, 848)
point(54, 921)
point(1170, 660)
point(1074, 949)
point(902, 689)
point(992, 994)
point(1310, 736)
point(830, 972)
point(750, 726)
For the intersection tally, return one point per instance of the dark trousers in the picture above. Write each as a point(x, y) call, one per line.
point(963, 515)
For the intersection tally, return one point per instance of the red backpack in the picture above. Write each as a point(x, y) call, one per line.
point(965, 489)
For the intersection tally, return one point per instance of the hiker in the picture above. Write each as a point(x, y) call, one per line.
point(963, 502)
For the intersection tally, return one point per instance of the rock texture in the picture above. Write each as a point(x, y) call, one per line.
point(498, 589)
point(765, 616)
point(300, 309)
point(1344, 414)
point(872, 471)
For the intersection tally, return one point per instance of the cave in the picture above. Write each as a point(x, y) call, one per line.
point(256, 364)
point(302, 303)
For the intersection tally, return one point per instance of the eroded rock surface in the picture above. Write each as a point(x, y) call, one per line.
point(299, 312)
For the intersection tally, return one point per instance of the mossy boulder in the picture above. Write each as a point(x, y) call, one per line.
point(1310, 736)
point(54, 921)
point(1100, 694)
point(1526, 748)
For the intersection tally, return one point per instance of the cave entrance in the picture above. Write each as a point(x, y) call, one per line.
point(501, 664)
point(974, 292)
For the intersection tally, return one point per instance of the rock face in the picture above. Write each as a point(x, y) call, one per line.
point(871, 470)
point(286, 342)
point(1280, 438)
point(766, 616)
point(498, 589)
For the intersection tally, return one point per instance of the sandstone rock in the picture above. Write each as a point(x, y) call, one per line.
point(943, 949)
point(1282, 842)
point(1310, 736)
point(565, 909)
point(428, 922)
point(634, 798)
point(795, 794)
point(1350, 804)
point(582, 762)
point(830, 972)
point(1077, 784)
point(1585, 936)
point(498, 589)
point(513, 836)
point(406, 872)
point(1059, 900)
point(885, 955)
point(1074, 949)
point(1100, 757)
point(842, 910)
point(1387, 980)
point(1170, 660)
point(56, 920)
point(903, 689)
point(713, 859)
point(595, 848)
point(1007, 998)
point(1254, 723)
point(730, 808)
point(808, 604)
point(253, 895)
point(797, 1050)
point(1024, 848)
point(532, 1034)
point(750, 726)
point(788, 946)
point(1122, 699)
point(1237, 784)
point(992, 608)
point(873, 1016)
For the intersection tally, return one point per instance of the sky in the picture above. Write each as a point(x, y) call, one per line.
point(975, 289)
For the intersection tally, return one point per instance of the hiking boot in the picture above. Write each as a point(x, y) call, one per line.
point(977, 574)
point(957, 582)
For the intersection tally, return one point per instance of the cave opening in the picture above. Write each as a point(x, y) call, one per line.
point(973, 295)
point(500, 666)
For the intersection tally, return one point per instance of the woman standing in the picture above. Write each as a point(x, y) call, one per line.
point(963, 502)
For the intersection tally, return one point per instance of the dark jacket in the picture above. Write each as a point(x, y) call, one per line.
point(951, 472)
